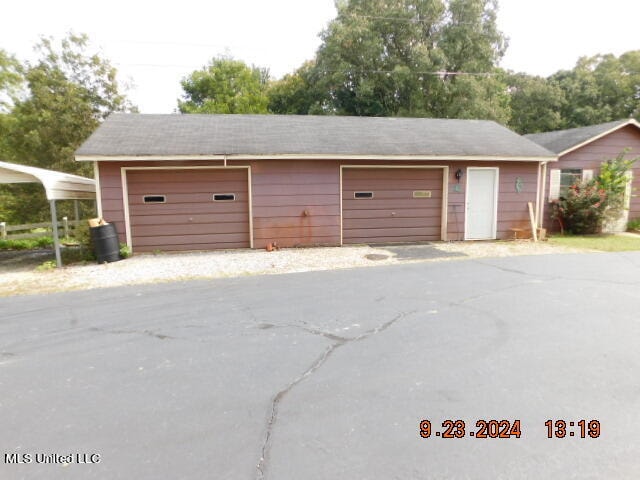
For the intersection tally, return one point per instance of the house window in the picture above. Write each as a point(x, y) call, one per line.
point(561, 180)
point(569, 177)
point(154, 199)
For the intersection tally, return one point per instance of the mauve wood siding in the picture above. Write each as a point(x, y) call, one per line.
point(297, 202)
point(111, 196)
point(513, 211)
point(189, 219)
point(591, 156)
point(392, 215)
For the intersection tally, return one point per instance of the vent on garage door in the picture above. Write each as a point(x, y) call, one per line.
point(363, 195)
point(224, 197)
point(155, 199)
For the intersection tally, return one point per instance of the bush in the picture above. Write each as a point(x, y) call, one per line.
point(588, 205)
point(582, 210)
point(125, 251)
point(634, 224)
point(86, 247)
point(613, 180)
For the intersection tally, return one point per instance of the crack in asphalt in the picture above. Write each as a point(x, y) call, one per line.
point(314, 331)
point(277, 399)
point(519, 272)
point(149, 333)
point(555, 277)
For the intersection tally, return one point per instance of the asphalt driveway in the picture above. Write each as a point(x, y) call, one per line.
point(328, 374)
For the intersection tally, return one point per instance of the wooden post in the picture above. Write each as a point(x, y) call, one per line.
point(532, 219)
point(65, 224)
point(3, 230)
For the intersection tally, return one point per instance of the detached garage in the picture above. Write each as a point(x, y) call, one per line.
point(200, 182)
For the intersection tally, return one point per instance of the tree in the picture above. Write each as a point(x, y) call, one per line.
point(408, 57)
point(11, 79)
point(295, 93)
point(68, 91)
point(536, 104)
point(225, 86)
point(600, 89)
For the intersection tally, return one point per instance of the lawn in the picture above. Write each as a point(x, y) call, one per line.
point(605, 243)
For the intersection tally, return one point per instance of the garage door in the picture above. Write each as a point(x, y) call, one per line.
point(188, 209)
point(391, 205)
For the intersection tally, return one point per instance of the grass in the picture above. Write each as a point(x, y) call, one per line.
point(604, 243)
point(26, 244)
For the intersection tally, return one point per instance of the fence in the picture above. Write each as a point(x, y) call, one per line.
point(66, 228)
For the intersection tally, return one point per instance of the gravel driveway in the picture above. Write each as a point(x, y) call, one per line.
point(151, 268)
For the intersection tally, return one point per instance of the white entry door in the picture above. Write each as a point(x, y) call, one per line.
point(482, 204)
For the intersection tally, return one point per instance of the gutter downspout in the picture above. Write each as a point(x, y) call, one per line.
point(543, 194)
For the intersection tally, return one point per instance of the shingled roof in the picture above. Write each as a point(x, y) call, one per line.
point(563, 141)
point(137, 135)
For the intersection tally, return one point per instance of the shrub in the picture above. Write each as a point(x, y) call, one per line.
point(86, 247)
point(588, 205)
point(613, 180)
point(634, 224)
point(582, 210)
point(125, 251)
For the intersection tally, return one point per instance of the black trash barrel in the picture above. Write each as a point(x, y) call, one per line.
point(106, 244)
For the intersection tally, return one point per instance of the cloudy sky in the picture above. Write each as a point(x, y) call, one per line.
point(156, 43)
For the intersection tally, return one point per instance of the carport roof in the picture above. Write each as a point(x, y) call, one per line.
point(57, 185)
point(127, 136)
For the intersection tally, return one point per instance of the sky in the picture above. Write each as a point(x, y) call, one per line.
point(154, 44)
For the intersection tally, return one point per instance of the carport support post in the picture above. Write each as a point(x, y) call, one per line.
point(56, 239)
point(76, 211)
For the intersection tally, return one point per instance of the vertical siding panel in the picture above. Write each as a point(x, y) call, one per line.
point(456, 209)
point(111, 194)
point(513, 209)
point(296, 202)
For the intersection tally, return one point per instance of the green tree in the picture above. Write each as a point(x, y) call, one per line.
point(382, 58)
point(295, 93)
point(600, 89)
point(225, 86)
point(536, 104)
point(11, 79)
point(68, 91)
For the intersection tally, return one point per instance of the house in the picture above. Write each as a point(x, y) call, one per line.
point(197, 182)
point(581, 151)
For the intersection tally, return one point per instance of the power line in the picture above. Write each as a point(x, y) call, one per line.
point(441, 73)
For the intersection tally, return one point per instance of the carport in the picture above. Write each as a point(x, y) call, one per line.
point(57, 186)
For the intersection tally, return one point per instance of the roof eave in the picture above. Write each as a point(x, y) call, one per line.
point(293, 156)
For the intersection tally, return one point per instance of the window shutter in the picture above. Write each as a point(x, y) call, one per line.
point(554, 185)
point(587, 175)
